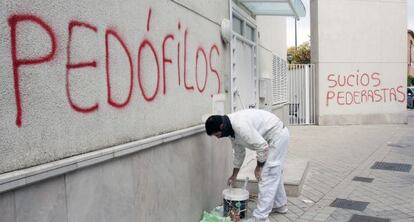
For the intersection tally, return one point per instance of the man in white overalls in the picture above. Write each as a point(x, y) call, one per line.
point(264, 133)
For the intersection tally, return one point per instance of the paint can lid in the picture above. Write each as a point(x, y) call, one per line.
point(235, 194)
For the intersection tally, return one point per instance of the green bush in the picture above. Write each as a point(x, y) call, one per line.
point(300, 55)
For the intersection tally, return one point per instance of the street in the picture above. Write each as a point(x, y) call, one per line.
point(341, 184)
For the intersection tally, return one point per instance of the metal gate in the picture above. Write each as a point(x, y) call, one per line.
point(302, 94)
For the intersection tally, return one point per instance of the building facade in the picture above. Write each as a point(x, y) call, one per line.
point(102, 102)
point(102, 105)
point(360, 59)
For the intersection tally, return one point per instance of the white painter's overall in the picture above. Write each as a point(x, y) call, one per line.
point(271, 190)
point(264, 133)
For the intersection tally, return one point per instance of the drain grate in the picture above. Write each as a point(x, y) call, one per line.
point(363, 179)
point(392, 166)
point(349, 204)
point(398, 145)
point(362, 218)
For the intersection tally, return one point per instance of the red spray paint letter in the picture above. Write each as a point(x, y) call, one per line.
point(178, 58)
point(111, 101)
point(165, 60)
point(17, 62)
point(144, 43)
point(196, 69)
point(213, 69)
point(149, 19)
point(70, 66)
point(185, 62)
point(329, 95)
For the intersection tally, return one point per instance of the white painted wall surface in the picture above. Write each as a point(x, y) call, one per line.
point(60, 107)
point(362, 42)
point(178, 175)
point(272, 31)
point(272, 39)
point(171, 182)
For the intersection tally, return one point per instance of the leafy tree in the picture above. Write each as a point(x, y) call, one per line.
point(410, 80)
point(300, 55)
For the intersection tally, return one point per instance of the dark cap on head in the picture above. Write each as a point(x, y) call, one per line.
point(213, 124)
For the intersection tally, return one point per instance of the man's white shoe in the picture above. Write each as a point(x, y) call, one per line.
point(280, 210)
point(254, 219)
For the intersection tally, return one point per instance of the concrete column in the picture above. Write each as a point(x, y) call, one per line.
point(359, 48)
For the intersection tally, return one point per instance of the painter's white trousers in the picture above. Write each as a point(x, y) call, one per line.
point(272, 193)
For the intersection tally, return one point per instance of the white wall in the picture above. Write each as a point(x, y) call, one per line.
point(362, 42)
point(59, 108)
point(178, 172)
point(272, 40)
point(172, 182)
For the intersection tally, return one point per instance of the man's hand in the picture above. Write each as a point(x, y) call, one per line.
point(258, 173)
point(233, 177)
point(231, 180)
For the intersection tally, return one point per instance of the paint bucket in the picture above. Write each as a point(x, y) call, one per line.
point(235, 199)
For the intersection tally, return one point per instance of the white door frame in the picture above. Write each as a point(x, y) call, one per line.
point(247, 20)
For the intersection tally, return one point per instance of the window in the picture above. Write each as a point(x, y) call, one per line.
point(237, 25)
point(249, 33)
point(244, 27)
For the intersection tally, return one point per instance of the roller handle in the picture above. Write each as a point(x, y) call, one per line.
point(245, 183)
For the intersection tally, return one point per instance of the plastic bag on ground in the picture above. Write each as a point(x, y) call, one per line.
point(212, 217)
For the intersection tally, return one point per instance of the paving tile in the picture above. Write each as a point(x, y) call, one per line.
point(340, 217)
point(403, 220)
point(321, 217)
point(334, 165)
point(291, 216)
point(279, 218)
point(302, 220)
point(331, 219)
point(296, 210)
point(307, 217)
point(363, 218)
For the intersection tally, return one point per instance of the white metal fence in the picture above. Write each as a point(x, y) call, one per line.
point(302, 94)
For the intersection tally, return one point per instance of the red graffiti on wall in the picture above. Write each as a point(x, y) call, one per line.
point(145, 47)
point(148, 43)
point(149, 19)
point(178, 57)
point(215, 47)
point(165, 60)
point(80, 65)
point(346, 90)
point(14, 20)
point(196, 69)
point(111, 101)
point(189, 87)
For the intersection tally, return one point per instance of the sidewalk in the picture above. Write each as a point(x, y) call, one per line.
point(337, 154)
